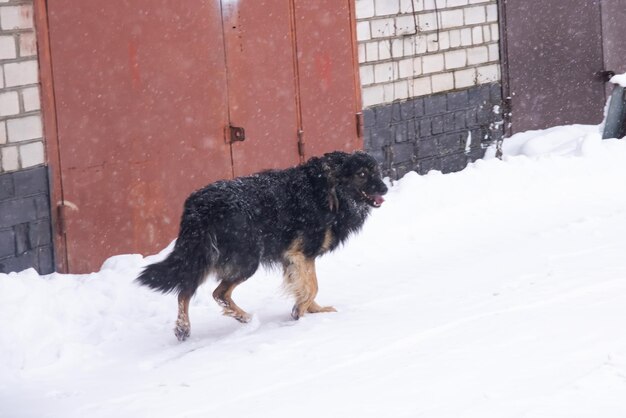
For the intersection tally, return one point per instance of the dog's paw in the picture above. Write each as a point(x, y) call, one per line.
point(182, 331)
point(238, 314)
point(320, 309)
point(244, 318)
point(296, 312)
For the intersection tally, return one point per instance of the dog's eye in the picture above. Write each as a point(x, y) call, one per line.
point(361, 174)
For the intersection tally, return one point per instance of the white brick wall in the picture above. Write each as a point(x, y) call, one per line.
point(21, 132)
point(454, 45)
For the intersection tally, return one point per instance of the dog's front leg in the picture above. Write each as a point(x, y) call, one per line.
point(301, 280)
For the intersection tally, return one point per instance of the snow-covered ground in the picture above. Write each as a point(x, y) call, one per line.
point(499, 291)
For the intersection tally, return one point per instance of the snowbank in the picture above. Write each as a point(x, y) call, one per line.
point(496, 291)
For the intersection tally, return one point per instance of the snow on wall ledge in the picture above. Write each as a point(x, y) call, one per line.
point(412, 48)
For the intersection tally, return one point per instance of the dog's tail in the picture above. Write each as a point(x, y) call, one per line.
point(183, 270)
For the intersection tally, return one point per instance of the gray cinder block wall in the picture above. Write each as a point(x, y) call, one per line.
point(430, 75)
point(25, 232)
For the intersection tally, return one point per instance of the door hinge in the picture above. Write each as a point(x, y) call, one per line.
point(301, 150)
point(359, 125)
point(61, 227)
point(236, 134)
point(62, 209)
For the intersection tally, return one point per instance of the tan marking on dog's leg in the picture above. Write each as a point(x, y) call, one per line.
point(300, 280)
point(183, 326)
point(328, 241)
point(222, 295)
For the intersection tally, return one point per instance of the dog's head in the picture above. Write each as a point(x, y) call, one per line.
point(358, 176)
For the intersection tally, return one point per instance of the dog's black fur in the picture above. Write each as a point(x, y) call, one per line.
point(281, 217)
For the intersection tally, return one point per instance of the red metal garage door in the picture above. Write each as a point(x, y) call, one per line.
point(327, 63)
point(141, 109)
point(261, 83)
point(145, 93)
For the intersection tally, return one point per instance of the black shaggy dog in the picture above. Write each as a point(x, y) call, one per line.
point(287, 217)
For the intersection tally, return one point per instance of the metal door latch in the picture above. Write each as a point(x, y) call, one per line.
point(236, 134)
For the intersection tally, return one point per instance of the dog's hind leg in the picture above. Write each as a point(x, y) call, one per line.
point(222, 295)
point(183, 326)
point(301, 280)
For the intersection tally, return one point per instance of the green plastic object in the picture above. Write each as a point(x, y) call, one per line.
point(615, 123)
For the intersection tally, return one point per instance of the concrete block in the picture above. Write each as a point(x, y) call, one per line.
point(451, 18)
point(387, 7)
point(16, 17)
point(455, 38)
point(7, 189)
point(475, 15)
point(372, 95)
point(30, 182)
point(427, 22)
point(30, 99)
point(477, 35)
point(494, 52)
point(432, 63)
point(364, 9)
point(39, 233)
point(442, 82)
point(363, 31)
point(24, 129)
point(436, 125)
point(10, 158)
point(435, 105)
point(455, 59)
point(17, 211)
point(457, 100)
point(21, 73)
point(421, 86)
point(383, 72)
point(427, 147)
point(492, 12)
point(3, 132)
point(9, 103)
point(405, 25)
point(488, 73)
point(371, 51)
point(367, 74)
point(477, 55)
point(28, 44)
point(7, 243)
point(384, 49)
point(464, 78)
point(7, 47)
point(382, 28)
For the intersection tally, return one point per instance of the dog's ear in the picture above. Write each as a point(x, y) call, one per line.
point(330, 173)
point(335, 159)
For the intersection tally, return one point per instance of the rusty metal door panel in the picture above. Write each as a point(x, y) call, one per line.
point(328, 76)
point(261, 83)
point(553, 51)
point(141, 106)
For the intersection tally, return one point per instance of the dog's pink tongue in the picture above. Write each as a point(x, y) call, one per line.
point(379, 199)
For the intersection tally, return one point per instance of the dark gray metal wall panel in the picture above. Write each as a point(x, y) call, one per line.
point(613, 21)
point(554, 49)
point(430, 133)
point(25, 228)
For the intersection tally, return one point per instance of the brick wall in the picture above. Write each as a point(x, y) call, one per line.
point(25, 238)
point(430, 75)
point(21, 134)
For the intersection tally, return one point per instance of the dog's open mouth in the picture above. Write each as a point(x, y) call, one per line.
point(374, 200)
